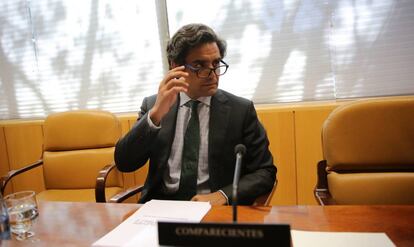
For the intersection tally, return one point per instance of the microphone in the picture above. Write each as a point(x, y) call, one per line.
point(239, 150)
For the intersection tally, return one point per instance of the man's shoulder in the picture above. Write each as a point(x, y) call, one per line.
point(150, 100)
point(151, 97)
point(234, 99)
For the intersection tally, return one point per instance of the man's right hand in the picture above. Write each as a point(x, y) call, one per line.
point(173, 83)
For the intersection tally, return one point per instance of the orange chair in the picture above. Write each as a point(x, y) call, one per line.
point(368, 147)
point(78, 157)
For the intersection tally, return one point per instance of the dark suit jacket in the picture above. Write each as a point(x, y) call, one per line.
point(233, 120)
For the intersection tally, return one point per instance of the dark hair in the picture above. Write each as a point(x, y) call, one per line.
point(188, 37)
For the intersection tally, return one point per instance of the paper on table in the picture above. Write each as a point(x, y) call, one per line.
point(140, 229)
point(339, 239)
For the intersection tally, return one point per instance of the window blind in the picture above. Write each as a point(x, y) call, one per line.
point(278, 51)
point(58, 55)
point(284, 51)
point(373, 52)
point(62, 55)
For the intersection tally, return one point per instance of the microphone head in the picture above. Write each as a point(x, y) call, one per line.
point(240, 148)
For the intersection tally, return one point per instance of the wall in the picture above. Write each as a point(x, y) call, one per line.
point(293, 130)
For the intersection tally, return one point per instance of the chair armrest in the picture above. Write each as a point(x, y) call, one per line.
point(100, 187)
point(5, 179)
point(264, 200)
point(122, 196)
point(261, 200)
point(321, 191)
point(101, 181)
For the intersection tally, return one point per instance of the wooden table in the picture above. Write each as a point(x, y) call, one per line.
point(81, 224)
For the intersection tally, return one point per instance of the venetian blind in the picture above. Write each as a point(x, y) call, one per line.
point(284, 51)
point(373, 51)
point(83, 54)
point(57, 55)
point(278, 51)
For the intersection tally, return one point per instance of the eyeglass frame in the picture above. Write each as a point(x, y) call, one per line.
point(197, 70)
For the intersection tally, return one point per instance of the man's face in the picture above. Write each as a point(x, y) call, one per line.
point(203, 56)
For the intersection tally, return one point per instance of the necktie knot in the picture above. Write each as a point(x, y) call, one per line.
point(193, 104)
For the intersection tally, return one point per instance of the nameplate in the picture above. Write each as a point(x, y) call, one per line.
point(223, 234)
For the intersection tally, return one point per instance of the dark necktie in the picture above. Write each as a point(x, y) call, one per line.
point(189, 162)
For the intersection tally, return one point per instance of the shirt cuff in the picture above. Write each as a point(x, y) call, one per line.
point(150, 123)
point(225, 196)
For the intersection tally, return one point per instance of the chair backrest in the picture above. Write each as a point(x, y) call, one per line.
point(77, 144)
point(369, 149)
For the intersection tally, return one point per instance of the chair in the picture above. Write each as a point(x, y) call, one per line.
point(368, 149)
point(264, 200)
point(78, 157)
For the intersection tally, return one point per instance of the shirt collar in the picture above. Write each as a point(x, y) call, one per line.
point(184, 99)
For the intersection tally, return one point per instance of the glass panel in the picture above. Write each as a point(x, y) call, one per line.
point(278, 51)
point(78, 54)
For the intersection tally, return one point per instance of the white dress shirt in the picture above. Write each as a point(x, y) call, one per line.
point(171, 176)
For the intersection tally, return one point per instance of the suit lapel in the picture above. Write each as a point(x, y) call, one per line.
point(219, 121)
point(219, 118)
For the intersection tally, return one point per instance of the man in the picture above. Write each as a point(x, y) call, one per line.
point(221, 121)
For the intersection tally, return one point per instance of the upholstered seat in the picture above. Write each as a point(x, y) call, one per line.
point(77, 145)
point(368, 147)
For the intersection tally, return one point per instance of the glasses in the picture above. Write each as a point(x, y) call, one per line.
point(206, 72)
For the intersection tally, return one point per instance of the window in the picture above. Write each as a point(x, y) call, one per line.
point(58, 55)
point(284, 51)
point(61, 55)
point(277, 52)
point(372, 48)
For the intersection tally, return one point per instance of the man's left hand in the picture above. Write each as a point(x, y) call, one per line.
point(215, 198)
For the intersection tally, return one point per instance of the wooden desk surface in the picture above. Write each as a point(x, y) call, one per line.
point(81, 224)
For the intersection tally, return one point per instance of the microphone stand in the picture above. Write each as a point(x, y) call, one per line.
point(240, 150)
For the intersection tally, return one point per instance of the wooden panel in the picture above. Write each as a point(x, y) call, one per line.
point(127, 122)
point(308, 125)
point(24, 146)
point(132, 120)
point(296, 157)
point(124, 126)
point(4, 160)
point(279, 128)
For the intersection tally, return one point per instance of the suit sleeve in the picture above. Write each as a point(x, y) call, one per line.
point(258, 173)
point(133, 150)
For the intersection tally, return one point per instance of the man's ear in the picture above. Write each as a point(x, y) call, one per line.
point(173, 65)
